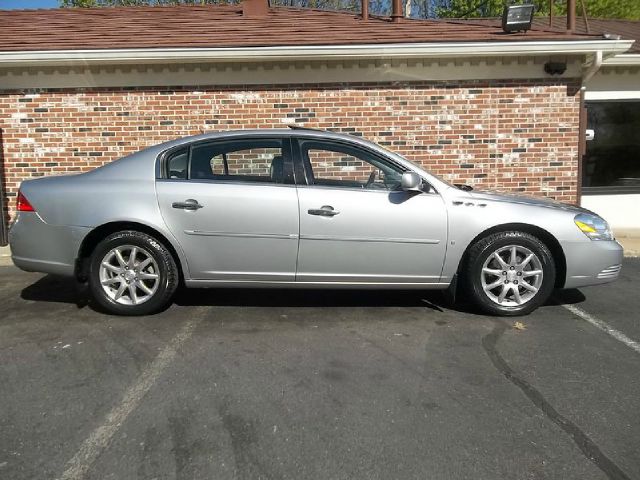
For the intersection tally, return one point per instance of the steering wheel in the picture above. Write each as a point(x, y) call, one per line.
point(391, 182)
point(371, 179)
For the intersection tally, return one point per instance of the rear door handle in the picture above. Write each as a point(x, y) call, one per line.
point(189, 204)
point(324, 211)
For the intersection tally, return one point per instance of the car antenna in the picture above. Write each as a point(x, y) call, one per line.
point(299, 127)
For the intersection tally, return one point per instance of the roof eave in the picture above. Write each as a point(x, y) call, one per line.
point(609, 48)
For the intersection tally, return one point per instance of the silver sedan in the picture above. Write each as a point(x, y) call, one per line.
point(299, 208)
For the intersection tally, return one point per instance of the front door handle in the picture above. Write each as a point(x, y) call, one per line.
point(324, 211)
point(189, 204)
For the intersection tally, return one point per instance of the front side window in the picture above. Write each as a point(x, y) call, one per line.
point(253, 160)
point(335, 165)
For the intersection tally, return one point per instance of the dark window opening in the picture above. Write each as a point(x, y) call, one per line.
point(611, 163)
point(251, 160)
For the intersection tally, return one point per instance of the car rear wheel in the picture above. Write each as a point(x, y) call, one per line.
point(132, 273)
point(509, 273)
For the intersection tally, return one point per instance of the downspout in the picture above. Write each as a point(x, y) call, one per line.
point(593, 67)
point(588, 73)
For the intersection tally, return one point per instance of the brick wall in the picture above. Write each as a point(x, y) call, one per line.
point(508, 135)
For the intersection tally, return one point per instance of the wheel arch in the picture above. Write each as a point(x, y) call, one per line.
point(546, 237)
point(100, 232)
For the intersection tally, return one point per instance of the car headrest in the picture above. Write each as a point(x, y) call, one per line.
point(277, 169)
point(201, 164)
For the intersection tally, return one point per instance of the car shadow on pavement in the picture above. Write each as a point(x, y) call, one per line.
point(567, 296)
point(51, 288)
point(245, 297)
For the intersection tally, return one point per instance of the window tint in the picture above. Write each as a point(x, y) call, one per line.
point(344, 166)
point(243, 160)
point(177, 164)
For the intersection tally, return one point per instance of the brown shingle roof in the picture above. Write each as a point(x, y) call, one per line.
point(627, 29)
point(225, 26)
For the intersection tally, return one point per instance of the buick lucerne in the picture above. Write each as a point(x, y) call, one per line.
point(299, 208)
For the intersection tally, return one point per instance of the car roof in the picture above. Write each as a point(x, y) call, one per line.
point(293, 131)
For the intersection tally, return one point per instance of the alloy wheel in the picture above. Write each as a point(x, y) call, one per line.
point(129, 275)
point(511, 276)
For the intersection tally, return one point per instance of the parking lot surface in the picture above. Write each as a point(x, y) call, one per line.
point(270, 384)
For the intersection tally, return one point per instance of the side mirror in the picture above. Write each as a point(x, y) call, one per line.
point(411, 182)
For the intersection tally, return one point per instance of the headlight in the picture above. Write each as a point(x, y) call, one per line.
point(593, 226)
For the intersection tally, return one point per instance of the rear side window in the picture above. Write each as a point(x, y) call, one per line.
point(177, 164)
point(251, 160)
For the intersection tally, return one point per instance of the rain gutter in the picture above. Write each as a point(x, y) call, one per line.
point(609, 48)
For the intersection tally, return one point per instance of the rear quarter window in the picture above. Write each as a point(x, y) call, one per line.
point(177, 164)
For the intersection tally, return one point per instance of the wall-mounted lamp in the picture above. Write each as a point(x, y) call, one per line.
point(517, 18)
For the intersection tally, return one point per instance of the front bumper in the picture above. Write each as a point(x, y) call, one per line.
point(39, 247)
point(592, 262)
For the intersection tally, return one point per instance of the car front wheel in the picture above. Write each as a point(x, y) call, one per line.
point(132, 273)
point(510, 273)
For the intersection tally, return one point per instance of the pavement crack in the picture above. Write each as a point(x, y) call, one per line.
point(588, 448)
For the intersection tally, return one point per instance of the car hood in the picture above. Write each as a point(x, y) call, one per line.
point(526, 200)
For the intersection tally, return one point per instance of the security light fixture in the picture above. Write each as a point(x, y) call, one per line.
point(555, 68)
point(517, 18)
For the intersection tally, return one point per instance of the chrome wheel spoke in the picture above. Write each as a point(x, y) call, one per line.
point(132, 257)
point(143, 264)
point(142, 286)
point(111, 280)
point(530, 273)
point(147, 276)
point(503, 293)
point(526, 261)
point(529, 287)
point(516, 295)
point(133, 295)
point(111, 268)
point(502, 263)
point(120, 258)
point(495, 284)
point(120, 291)
point(514, 256)
point(492, 271)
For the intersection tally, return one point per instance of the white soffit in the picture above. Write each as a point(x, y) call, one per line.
point(623, 60)
point(278, 73)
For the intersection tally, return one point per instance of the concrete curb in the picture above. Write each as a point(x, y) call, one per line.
point(5, 257)
point(631, 245)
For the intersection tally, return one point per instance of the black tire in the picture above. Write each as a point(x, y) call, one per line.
point(480, 252)
point(167, 273)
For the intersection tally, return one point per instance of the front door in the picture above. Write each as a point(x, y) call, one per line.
point(357, 226)
point(233, 207)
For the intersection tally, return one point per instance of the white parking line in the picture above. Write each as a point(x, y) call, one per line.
point(605, 327)
point(99, 439)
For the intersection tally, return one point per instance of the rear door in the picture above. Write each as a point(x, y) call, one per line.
point(357, 226)
point(233, 207)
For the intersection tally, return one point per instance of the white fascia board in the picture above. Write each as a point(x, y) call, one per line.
point(629, 59)
point(297, 53)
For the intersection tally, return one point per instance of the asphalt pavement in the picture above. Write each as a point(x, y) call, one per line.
point(275, 384)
